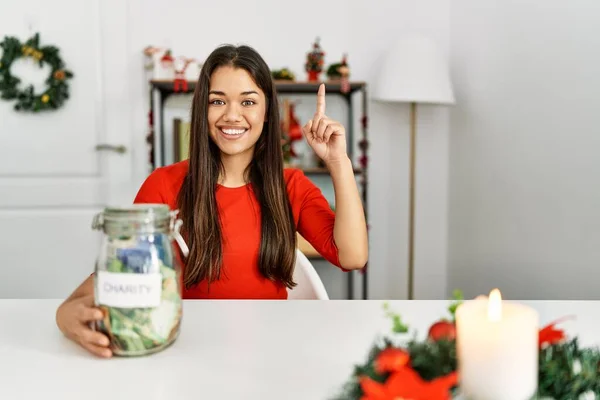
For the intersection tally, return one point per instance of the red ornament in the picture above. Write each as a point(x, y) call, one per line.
point(407, 384)
point(364, 120)
point(167, 59)
point(549, 335)
point(363, 160)
point(363, 144)
point(442, 330)
point(391, 359)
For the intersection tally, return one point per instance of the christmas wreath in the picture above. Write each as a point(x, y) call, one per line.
point(427, 369)
point(57, 90)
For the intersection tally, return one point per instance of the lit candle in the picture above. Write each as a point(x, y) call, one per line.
point(497, 349)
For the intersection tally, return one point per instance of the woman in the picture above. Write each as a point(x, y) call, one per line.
point(241, 209)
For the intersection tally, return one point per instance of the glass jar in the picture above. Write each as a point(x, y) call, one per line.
point(137, 280)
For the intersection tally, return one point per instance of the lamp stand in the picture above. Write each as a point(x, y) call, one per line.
point(411, 211)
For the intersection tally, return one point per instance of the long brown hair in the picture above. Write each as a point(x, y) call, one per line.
point(197, 200)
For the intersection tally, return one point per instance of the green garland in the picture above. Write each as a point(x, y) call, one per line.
point(284, 74)
point(566, 371)
point(57, 90)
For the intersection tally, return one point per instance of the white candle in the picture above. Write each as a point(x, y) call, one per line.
point(497, 349)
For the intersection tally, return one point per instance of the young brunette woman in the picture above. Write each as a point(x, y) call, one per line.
point(240, 207)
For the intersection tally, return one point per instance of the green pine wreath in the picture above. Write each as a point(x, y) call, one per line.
point(57, 90)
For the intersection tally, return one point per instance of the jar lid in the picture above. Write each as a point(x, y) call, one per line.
point(141, 219)
point(134, 213)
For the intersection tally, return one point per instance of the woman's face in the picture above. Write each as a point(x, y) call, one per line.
point(236, 111)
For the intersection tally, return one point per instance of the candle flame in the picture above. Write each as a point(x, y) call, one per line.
point(495, 306)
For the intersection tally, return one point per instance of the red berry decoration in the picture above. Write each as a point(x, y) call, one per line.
point(442, 330)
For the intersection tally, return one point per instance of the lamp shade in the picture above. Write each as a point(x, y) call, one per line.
point(414, 70)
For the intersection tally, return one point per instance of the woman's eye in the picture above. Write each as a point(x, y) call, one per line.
point(217, 102)
point(248, 102)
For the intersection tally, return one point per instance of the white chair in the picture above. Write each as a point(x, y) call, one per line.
point(309, 285)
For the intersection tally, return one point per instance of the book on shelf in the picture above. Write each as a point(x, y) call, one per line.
point(181, 140)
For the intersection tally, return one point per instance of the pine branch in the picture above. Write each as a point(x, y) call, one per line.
point(433, 359)
point(566, 371)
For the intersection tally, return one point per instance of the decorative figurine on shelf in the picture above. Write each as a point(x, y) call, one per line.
point(163, 66)
point(159, 63)
point(150, 53)
point(292, 131)
point(180, 82)
point(167, 60)
point(314, 62)
point(340, 71)
point(283, 74)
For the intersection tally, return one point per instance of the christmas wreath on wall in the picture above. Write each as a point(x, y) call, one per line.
point(57, 89)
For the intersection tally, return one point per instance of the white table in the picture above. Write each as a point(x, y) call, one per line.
point(238, 350)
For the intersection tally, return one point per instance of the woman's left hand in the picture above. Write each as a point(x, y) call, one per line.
point(326, 136)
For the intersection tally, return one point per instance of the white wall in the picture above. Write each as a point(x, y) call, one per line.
point(363, 29)
point(524, 193)
point(52, 180)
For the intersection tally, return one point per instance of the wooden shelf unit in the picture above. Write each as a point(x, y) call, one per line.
point(160, 90)
point(283, 87)
point(324, 171)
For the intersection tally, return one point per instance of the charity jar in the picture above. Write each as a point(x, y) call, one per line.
point(137, 279)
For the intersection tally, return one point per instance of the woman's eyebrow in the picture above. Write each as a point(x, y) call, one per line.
point(220, 93)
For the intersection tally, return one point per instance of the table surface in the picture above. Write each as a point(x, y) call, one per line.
point(263, 350)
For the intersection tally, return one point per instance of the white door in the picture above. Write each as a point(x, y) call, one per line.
point(52, 177)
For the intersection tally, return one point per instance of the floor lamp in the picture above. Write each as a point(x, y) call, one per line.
point(413, 71)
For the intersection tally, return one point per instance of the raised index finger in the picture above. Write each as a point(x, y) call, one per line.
point(321, 100)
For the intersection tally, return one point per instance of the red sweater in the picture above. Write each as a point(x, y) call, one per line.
point(241, 230)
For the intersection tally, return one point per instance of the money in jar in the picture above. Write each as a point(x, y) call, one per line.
point(137, 279)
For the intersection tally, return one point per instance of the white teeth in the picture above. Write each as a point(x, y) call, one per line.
point(233, 131)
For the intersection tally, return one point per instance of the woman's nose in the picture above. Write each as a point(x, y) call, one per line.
point(232, 113)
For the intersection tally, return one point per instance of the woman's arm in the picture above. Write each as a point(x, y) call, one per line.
point(327, 138)
point(350, 230)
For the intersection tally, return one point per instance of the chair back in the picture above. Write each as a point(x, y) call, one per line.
point(309, 285)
